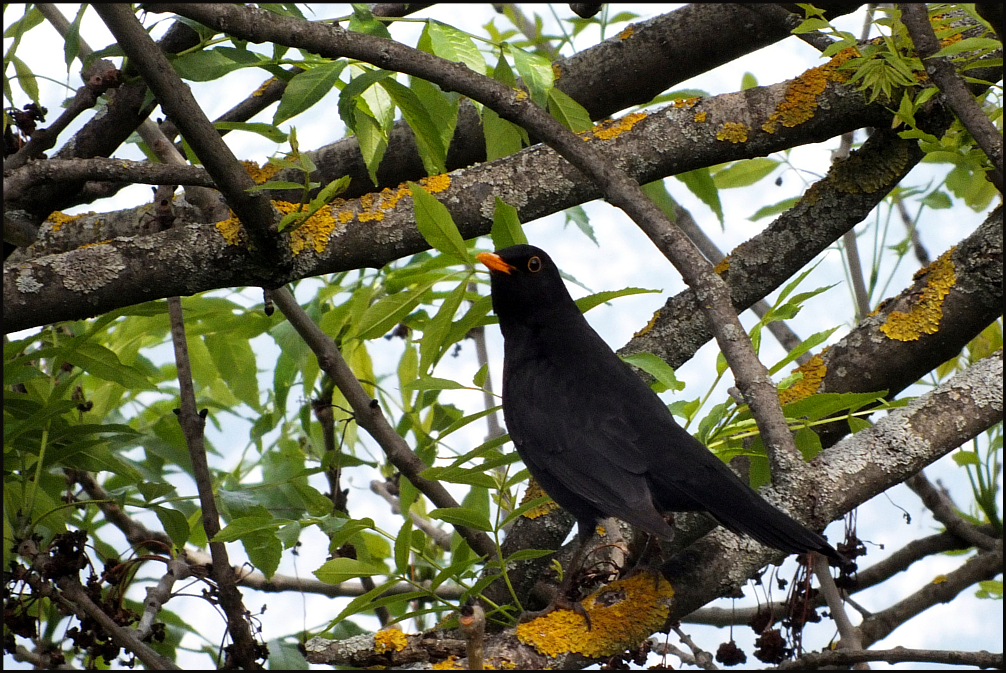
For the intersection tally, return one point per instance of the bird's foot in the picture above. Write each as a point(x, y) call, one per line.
point(560, 602)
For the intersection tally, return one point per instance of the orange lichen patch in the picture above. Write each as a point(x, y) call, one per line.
point(313, 233)
point(261, 90)
point(448, 664)
point(521, 95)
point(436, 183)
point(451, 664)
point(625, 611)
point(556, 72)
point(261, 173)
point(389, 640)
point(231, 230)
point(649, 325)
point(534, 491)
point(800, 100)
point(700, 116)
point(722, 265)
point(939, 579)
point(734, 132)
point(951, 39)
point(927, 309)
point(610, 129)
point(687, 102)
point(58, 218)
point(813, 373)
point(627, 33)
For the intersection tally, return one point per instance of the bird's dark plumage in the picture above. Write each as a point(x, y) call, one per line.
point(599, 440)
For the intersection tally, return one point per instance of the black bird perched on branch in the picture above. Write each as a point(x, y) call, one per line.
point(596, 438)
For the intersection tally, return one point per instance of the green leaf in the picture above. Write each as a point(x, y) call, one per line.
point(808, 442)
point(373, 141)
point(429, 142)
point(701, 184)
point(203, 66)
point(403, 546)
point(578, 216)
point(436, 225)
point(447, 42)
point(339, 570)
point(235, 362)
point(441, 107)
point(432, 383)
point(174, 523)
point(657, 368)
point(71, 44)
point(744, 173)
point(242, 526)
point(462, 516)
point(807, 344)
point(266, 130)
point(25, 78)
point(388, 311)
point(506, 229)
point(479, 380)
point(351, 93)
point(592, 300)
point(434, 342)
point(536, 71)
point(503, 138)
point(571, 114)
point(968, 44)
point(748, 81)
point(103, 363)
point(774, 209)
point(307, 88)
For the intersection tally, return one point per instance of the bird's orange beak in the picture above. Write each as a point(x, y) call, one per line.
point(494, 262)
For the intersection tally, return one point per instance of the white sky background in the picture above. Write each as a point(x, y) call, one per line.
point(625, 257)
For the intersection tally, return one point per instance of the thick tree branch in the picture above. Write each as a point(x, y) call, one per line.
point(175, 98)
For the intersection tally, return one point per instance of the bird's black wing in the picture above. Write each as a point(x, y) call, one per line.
point(571, 438)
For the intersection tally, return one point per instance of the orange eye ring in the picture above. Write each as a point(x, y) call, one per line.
point(534, 264)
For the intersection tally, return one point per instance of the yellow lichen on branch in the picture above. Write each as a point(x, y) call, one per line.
point(623, 612)
point(800, 100)
point(927, 306)
point(389, 640)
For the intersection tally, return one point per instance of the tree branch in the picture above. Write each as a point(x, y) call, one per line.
point(177, 101)
point(368, 415)
point(943, 510)
point(916, 19)
point(840, 658)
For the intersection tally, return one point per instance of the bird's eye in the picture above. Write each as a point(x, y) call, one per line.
point(534, 264)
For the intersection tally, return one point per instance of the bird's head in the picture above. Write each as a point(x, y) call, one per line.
point(526, 287)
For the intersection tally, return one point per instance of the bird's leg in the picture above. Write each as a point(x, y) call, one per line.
point(562, 600)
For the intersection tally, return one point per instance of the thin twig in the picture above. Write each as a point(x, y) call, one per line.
point(850, 638)
point(368, 415)
point(840, 658)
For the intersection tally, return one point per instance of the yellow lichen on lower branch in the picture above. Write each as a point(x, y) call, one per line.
point(649, 325)
point(58, 218)
point(625, 611)
point(389, 640)
point(734, 132)
point(800, 100)
point(813, 373)
point(532, 492)
point(927, 310)
point(611, 129)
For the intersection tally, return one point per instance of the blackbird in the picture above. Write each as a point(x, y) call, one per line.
point(596, 438)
